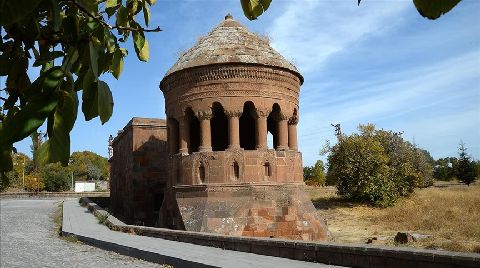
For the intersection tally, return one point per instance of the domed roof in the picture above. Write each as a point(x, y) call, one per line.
point(231, 42)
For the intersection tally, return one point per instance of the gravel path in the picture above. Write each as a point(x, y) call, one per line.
point(28, 239)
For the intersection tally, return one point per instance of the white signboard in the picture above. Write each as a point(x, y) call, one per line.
point(83, 186)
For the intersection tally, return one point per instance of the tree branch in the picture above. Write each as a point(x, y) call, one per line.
point(100, 20)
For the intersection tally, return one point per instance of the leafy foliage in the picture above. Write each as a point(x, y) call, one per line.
point(254, 8)
point(465, 167)
point(377, 166)
point(55, 177)
point(74, 44)
point(314, 175)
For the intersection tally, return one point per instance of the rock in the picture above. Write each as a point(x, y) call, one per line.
point(403, 238)
point(417, 237)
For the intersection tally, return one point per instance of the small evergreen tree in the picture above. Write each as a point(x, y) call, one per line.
point(465, 166)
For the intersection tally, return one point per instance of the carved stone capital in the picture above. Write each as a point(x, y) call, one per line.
point(204, 115)
point(280, 116)
point(262, 112)
point(293, 120)
point(233, 113)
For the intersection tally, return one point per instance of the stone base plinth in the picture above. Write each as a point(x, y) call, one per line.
point(277, 211)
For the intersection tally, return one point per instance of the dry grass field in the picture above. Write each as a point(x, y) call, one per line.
point(449, 212)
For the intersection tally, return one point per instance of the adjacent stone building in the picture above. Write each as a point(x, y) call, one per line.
point(138, 171)
point(223, 96)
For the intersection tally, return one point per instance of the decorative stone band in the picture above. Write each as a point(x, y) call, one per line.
point(202, 93)
point(194, 76)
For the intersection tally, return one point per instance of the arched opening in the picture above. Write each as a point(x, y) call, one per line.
point(267, 171)
point(219, 128)
point(270, 141)
point(248, 127)
point(235, 171)
point(173, 130)
point(201, 173)
point(272, 123)
point(194, 127)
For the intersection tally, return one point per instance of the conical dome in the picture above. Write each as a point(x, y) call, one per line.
point(231, 42)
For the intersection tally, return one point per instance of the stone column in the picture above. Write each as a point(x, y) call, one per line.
point(282, 133)
point(292, 133)
point(205, 132)
point(261, 129)
point(170, 137)
point(233, 129)
point(184, 135)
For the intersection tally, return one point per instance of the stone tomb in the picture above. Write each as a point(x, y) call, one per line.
point(222, 97)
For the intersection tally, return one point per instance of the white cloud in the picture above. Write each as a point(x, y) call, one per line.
point(308, 32)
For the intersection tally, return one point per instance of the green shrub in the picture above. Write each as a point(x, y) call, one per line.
point(55, 177)
point(377, 166)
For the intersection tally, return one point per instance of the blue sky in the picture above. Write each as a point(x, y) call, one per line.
point(377, 63)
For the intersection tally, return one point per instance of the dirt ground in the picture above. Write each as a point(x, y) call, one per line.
point(447, 214)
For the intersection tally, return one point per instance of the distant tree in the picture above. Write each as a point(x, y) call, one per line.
point(445, 169)
point(466, 167)
point(89, 166)
point(55, 177)
point(315, 175)
point(477, 168)
point(307, 173)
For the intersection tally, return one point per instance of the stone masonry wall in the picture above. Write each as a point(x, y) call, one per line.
point(139, 171)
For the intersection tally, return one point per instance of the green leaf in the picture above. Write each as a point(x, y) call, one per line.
point(254, 8)
point(46, 57)
point(90, 101)
point(93, 58)
point(146, 13)
point(111, 3)
point(141, 46)
point(434, 9)
point(28, 119)
point(105, 102)
point(70, 59)
point(122, 17)
point(151, 2)
point(117, 63)
point(13, 11)
point(110, 41)
point(71, 29)
point(6, 163)
point(57, 147)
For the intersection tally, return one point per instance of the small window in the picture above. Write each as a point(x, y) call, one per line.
point(267, 170)
point(236, 171)
point(201, 173)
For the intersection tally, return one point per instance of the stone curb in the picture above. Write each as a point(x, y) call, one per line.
point(328, 253)
point(137, 253)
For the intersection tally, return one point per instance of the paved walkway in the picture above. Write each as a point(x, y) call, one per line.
point(79, 221)
point(28, 238)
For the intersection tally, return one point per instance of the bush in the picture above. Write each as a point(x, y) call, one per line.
point(377, 166)
point(55, 177)
point(33, 183)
